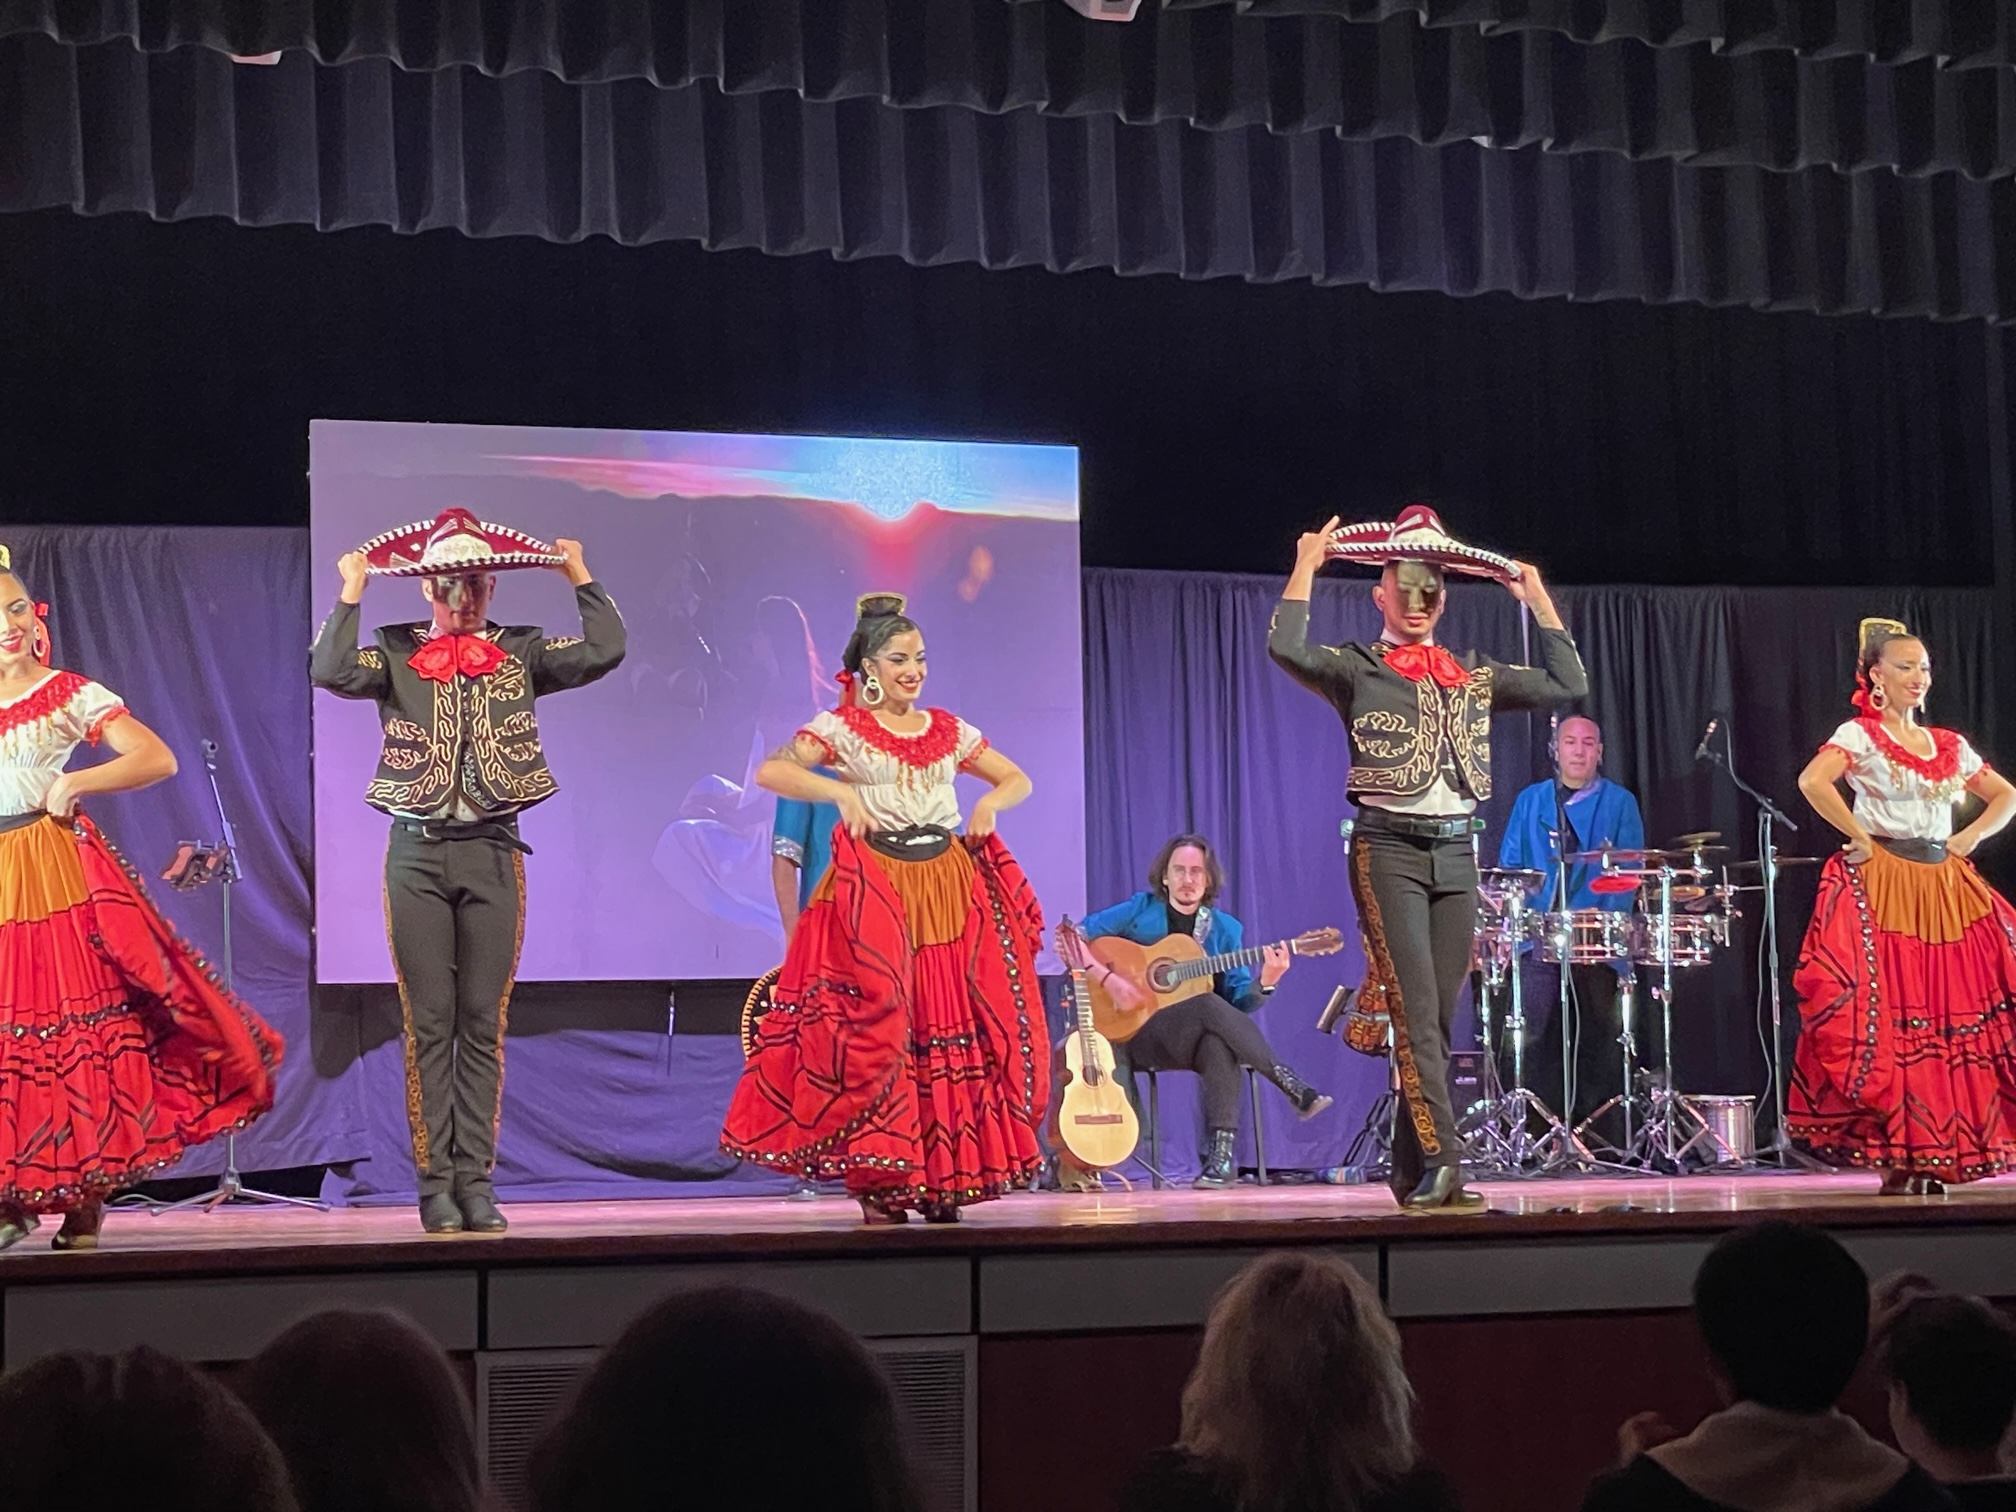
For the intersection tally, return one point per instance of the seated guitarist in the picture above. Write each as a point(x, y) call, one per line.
point(1210, 1034)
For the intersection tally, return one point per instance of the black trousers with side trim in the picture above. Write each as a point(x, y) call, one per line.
point(1417, 909)
point(1210, 1036)
point(455, 913)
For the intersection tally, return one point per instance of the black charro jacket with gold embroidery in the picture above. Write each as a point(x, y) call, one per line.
point(1398, 727)
point(476, 738)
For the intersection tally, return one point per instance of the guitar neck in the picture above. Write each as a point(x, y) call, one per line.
point(1081, 997)
point(1212, 965)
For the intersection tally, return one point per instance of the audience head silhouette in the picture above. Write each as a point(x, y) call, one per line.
point(368, 1414)
point(1299, 1398)
point(87, 1432)
point(1952, 1368)
point(1784, 1310)
point(728, 1398)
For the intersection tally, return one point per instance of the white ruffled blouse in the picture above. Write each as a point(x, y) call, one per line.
point(903, 780)
point(40, 729)
point(1902, 794)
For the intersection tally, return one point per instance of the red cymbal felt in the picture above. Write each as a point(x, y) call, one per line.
point(1610, 883)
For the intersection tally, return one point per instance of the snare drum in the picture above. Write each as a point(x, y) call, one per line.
point(1695, 939)
point(1584, 937)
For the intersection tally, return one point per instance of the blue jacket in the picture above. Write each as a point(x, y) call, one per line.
point(1144, 919)
point(1601, 814)
point(803, 833)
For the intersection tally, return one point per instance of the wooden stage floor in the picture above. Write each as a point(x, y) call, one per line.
point(244, 1239)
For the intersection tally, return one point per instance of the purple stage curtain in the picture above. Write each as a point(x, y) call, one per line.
point(1625, 182)
point(204, 633)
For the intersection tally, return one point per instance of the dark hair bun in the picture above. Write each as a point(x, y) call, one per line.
point(872, 606)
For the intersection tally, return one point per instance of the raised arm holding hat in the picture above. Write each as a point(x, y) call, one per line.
point(461, 758)
point(1418, 718)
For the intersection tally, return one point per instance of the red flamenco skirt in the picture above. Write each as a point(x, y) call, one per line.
point(1907, 1003)
point(119, 1048)
point(904, 1045)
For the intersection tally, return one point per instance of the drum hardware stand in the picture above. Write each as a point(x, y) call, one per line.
point(193, 866)
point(1493, 1128)
point(1780, 1151)
point(1561, 1151)
point(1660, 1145)
point(1500, 1134)
point(1628, 1101)
point(1483, 1142)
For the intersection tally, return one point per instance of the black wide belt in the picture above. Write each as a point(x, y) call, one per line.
point(20, 821)
point(920, 842)
point(498, 831)
point(1927, 852)
point(1418, 826)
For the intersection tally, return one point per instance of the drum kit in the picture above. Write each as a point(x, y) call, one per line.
point(1683, 906)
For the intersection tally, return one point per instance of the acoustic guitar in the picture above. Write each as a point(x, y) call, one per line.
point(1176, 968)
point(1095, 1120)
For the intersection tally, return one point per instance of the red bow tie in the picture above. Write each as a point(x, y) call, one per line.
point(1417, 662)
point(445, 655)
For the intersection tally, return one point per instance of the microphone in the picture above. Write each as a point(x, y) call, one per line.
point(1701, 750)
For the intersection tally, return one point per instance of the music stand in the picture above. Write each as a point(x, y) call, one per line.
point(195, 863)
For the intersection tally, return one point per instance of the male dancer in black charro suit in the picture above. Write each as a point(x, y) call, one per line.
point(1419, 722)
point(461, 758)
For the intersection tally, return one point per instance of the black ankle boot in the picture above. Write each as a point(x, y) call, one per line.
point(1218, 1168)
point(1442, 1187)
point(1308, 1101)
point(480, 1213)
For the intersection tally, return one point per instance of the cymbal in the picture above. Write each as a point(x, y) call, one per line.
point(1783, 861)
point(1696, 840)
point(1510, 876)
point(1652, 858)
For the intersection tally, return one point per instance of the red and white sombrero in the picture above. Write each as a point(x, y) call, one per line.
point(1417, 536)
point(455, 541)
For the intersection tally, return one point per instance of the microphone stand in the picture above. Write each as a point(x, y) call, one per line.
point(231, 1185)
point(1768, 816)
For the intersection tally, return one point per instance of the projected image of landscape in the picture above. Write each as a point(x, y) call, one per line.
point(736, 561)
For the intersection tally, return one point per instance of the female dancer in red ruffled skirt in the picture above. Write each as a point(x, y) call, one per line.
point(119, 1048)
point(904, 1048)
point(1907, 982)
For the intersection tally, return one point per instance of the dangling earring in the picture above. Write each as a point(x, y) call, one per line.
point(871, 689)
point(41, 641)
point(1877, 700)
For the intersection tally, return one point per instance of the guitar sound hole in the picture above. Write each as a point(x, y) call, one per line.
point(1162, 975)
